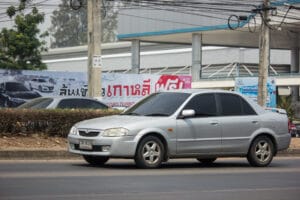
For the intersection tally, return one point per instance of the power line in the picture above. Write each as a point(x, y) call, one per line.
point(205, 9)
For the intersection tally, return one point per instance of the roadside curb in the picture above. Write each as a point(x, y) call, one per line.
point(289, 152)
point(64, 154)
point(36, 154)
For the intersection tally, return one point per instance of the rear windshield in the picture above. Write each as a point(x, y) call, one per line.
point(37, 103)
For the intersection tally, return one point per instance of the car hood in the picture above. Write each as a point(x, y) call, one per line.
point(115, 121)
point(23, 94)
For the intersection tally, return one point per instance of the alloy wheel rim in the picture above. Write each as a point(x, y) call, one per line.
point(263, 151)
point(151, 152)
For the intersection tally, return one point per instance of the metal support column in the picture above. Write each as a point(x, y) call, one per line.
point(295, 68)
point(196, 57)
point(135, 57)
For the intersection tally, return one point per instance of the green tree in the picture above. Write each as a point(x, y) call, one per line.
point(285, 102)
point(69, 26)
point(21, 46)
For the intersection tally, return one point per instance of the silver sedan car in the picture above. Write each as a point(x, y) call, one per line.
point(201, 124)
point(64, 102)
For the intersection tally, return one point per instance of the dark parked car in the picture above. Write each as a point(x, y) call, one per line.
point(64, 103)
point(297, 125)
point(13, 94)
point(292, 129)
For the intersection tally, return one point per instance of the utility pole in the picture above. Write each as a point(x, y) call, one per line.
point(94, 48)
point(264, 55)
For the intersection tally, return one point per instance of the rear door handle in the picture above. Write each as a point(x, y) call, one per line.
point(255, 122)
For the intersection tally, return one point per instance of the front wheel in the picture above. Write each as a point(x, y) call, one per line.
point(149, 153)
point(261, 152)
point(95, 160)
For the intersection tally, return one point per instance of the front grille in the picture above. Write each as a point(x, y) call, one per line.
point(89, 133)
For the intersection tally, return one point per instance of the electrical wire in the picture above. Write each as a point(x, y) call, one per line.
point(219, 10)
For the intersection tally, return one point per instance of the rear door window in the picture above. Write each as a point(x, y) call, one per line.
point(68, 103)
point(247, 109)
point(90, 104)
point(230, 105)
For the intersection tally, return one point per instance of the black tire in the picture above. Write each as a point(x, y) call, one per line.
point(207, 161)
point(150, 152)
point(40, 89)
point(261, 152)
point(95, 160)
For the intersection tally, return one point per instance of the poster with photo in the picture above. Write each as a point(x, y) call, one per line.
point(118, 90)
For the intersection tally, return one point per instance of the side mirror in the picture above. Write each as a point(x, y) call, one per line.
point(188, 113)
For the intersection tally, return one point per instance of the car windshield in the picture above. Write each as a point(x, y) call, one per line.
point(15, 87)
point(158, 104)
point(38, 103)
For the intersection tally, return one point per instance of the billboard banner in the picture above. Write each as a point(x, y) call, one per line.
point(249, 87)
point(122, 90)
point(118, 90)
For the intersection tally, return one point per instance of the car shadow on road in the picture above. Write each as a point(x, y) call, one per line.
point(128, 165)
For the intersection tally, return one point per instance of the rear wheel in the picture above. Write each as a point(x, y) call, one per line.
point(261, 152)
point(149, 153)
point(207, 161)
point(95, 160)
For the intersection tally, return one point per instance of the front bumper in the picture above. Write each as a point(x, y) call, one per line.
point(103, 146)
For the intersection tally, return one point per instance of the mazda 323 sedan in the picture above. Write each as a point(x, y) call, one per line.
point(201, 124)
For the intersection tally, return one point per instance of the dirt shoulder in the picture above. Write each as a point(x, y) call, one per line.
point(32, 142)
point(58, 143)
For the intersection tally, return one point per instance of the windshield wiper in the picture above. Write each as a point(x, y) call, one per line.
point(157, 114)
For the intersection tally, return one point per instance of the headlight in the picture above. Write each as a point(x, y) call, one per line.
point(73, 131)
point(115, 132)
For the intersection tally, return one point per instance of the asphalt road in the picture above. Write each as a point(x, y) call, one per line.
point(178, 179)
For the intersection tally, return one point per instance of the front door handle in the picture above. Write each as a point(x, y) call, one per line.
point(214, 123)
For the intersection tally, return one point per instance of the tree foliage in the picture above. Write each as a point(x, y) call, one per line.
point(69, 26)
point(285, 102)
point(21, 45)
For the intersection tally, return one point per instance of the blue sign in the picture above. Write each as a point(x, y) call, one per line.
point(249, 87)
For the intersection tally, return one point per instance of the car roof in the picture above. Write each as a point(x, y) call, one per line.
point(68, 97)
point(199, 91)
